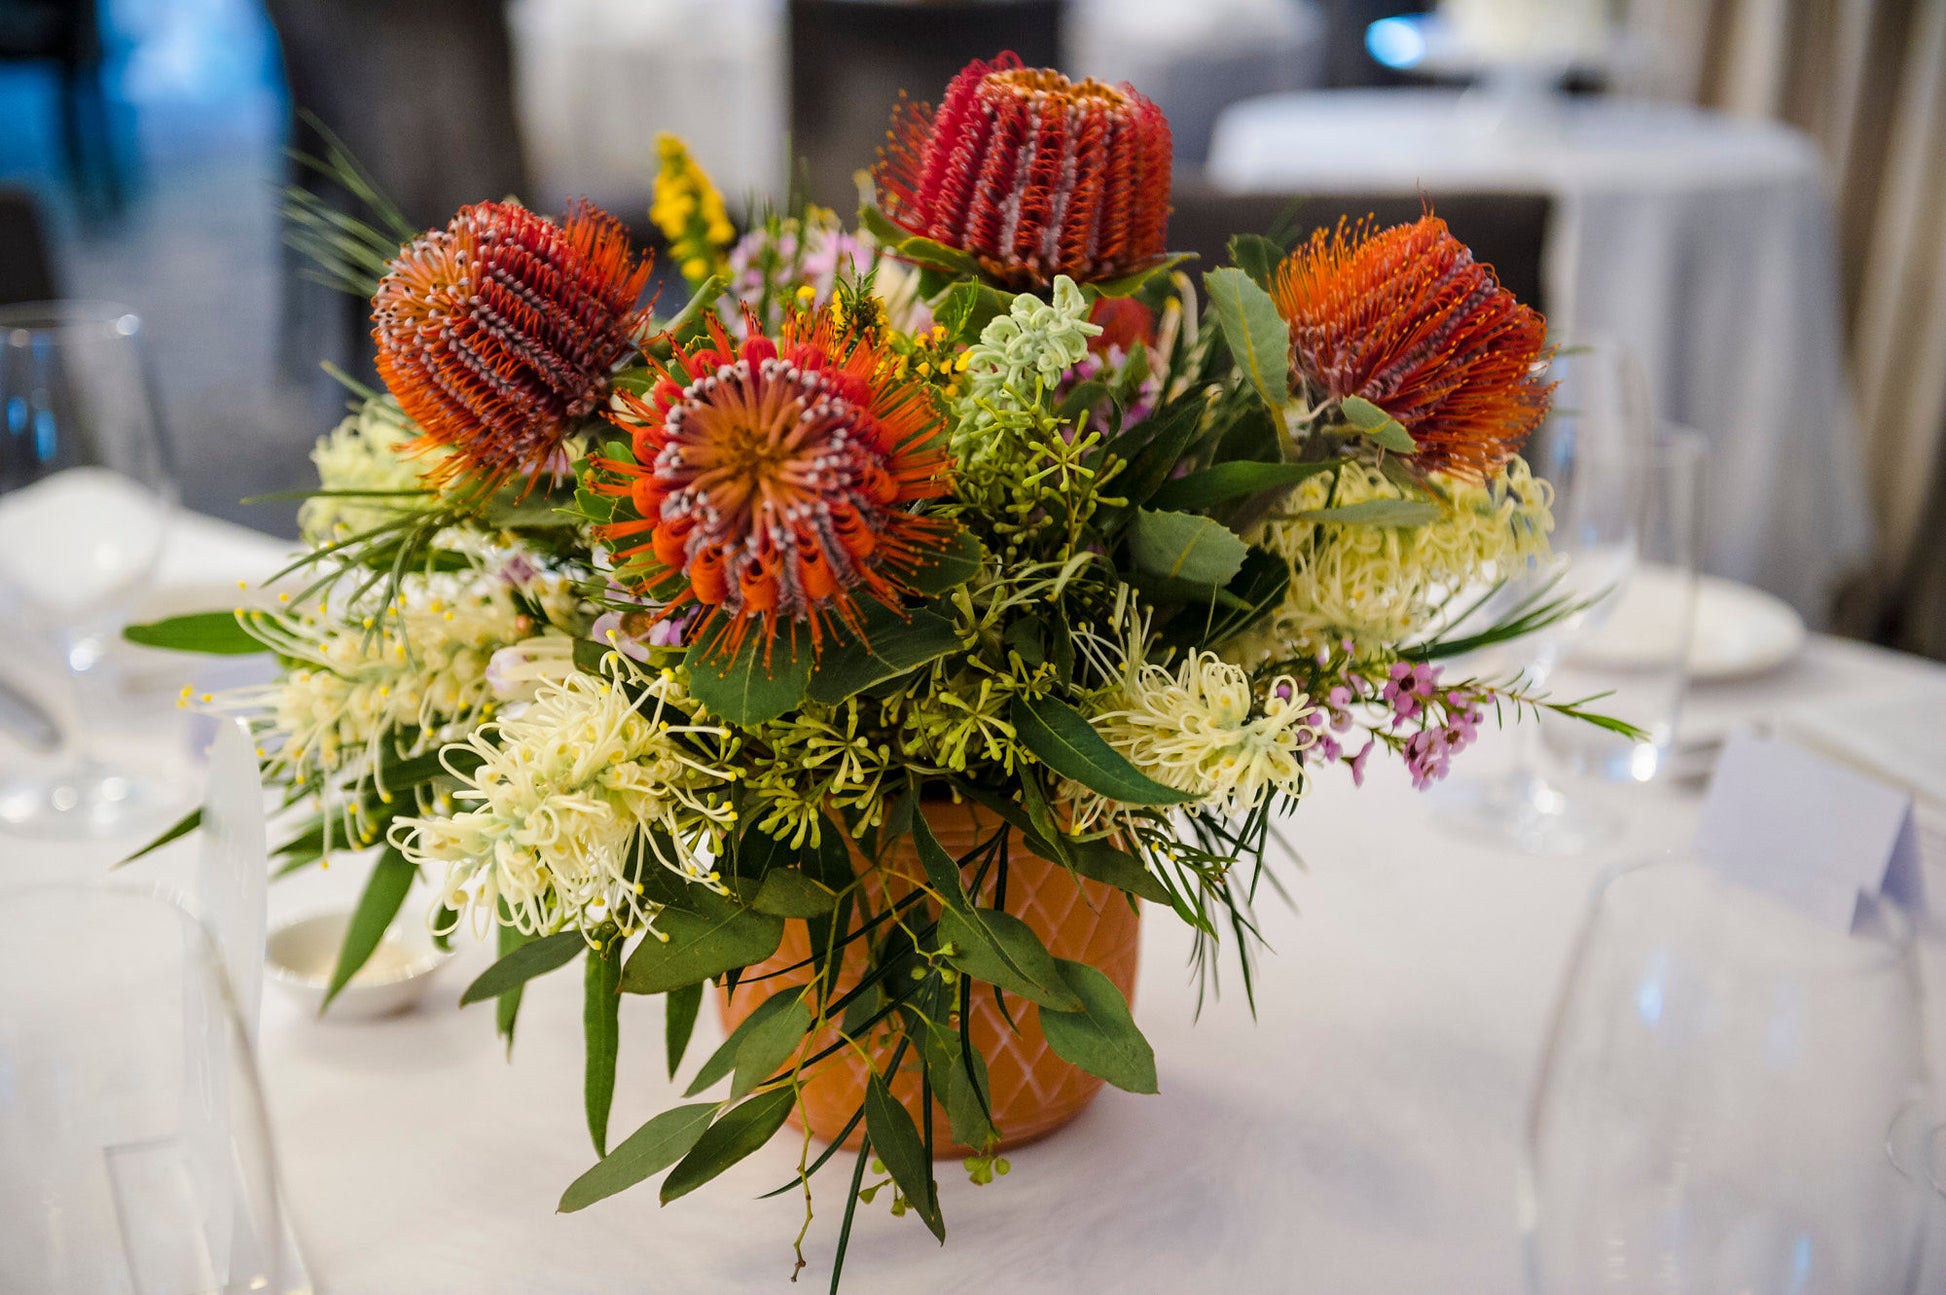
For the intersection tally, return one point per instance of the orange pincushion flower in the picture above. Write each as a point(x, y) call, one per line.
point(1407, 319)
point(498, 332)
point(772, 480)
point(1032, 174)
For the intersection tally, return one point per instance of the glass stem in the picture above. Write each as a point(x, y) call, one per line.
point(1527, 733)
point(90, 694)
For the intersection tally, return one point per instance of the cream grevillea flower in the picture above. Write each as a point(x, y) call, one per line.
point(1380, 585)
point(362, 453)
point(571, 797)
point(415, 677)
point(1201, 728)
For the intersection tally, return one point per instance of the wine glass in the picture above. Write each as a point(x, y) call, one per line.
point(135, 1155)
point(85, 500)
point(1640, 657)
point(1732, 1098)
point(1593, 450)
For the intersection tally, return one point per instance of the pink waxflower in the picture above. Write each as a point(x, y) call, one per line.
point(1408, 688)
point(1359, 761)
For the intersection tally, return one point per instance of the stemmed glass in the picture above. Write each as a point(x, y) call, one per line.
point(85, 499)
point(135, 1152)
point(1732, 1098)
point(1594, 451)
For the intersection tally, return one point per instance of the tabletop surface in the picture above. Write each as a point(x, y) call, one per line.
point(1361, 1134)
point(1350, 139)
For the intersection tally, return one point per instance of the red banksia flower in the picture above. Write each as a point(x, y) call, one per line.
point(1407, 319)
point(498, 332)
point(771, 482)
point(1032, 174)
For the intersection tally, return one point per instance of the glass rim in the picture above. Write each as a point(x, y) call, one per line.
point(1889, 932)
point(22, 321)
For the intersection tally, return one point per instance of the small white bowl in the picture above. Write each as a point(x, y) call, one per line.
point(300, 955)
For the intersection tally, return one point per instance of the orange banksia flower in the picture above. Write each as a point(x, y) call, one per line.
point(1032, 174)
point(1407, 319)
point(498, 332)
point(772, 482)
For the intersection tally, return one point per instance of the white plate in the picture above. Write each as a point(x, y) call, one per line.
point(1739, 631)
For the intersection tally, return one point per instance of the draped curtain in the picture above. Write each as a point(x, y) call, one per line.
point(1866, 79)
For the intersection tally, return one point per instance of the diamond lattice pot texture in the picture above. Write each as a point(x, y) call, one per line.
point(1033, 1092)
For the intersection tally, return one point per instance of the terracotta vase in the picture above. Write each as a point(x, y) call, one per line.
point(1033, 1092)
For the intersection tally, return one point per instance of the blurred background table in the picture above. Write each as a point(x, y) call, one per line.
point(1702, 242)
point(1362, 1134)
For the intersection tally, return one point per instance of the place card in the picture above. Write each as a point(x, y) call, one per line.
point(1814, 834)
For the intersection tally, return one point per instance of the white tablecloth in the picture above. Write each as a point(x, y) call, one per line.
point(1361, 1135)
point(1702, 242)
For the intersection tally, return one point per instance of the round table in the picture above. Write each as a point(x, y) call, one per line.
point(1702, 242)
point(1360, 1135)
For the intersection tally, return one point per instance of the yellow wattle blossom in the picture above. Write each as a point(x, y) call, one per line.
point(1380, 585)
point(689, 211)
point(571, 796)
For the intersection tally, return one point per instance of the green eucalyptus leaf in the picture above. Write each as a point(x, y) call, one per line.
point(1225, 481)
point(212, 633)
point(596, 508)
point(1101, 1037)
point(941, 872)
point(965, 1095)
point(648, 1151)
point(601, 1032)
point(1185, 547)
point(896, 1141)
point(1100, 861)
point(738, 1134)
point(1363, 414)
point(889, 645)
point(785, 892)
point(723, 1061)
point(744, 687)
point(637, 381)
point(1258, 588)
point(680, 1008)
point(909, 247)
point(506, 1007)
point(1257, 257)
point(1002, 950)
point(1127, 285)
point(762, 1050)
point(588, 656)
point(699, 945)
point(1062, 739)
point(1375, 423)
point(703, 299)
point(1154, 448)
point(384, 895)
point(952, 564)
point(1162, 591)
point(1258, 337)
point(1084, 397)
point(1375, 512)
point(535, 958)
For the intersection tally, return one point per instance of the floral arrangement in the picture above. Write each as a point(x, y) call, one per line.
point(673, 644)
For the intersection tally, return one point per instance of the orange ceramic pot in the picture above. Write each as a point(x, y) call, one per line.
point(1033, 1092)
